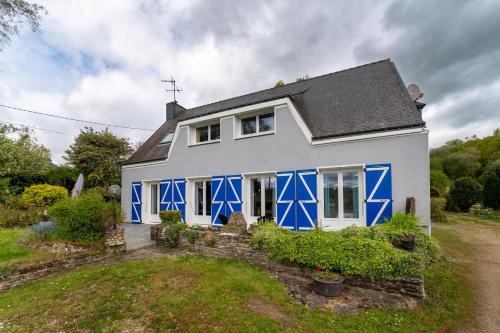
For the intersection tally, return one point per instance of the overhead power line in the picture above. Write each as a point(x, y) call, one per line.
point(35, 128)
point(74, 119)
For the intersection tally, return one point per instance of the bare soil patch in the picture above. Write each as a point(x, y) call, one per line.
point(262, 308)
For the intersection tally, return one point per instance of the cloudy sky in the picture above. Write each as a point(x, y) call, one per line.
point(103, 60)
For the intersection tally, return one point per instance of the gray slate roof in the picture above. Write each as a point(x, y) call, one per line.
point(363, 99)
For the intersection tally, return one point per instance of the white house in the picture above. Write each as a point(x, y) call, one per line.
point(335, 150)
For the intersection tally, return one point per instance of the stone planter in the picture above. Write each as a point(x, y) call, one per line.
point(328, 288)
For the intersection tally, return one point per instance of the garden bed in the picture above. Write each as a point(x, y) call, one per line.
point(359, 294)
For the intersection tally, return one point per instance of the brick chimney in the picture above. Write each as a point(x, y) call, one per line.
point(173, 110)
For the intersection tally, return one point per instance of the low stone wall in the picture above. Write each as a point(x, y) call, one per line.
point(228, 245)
point(29, 273)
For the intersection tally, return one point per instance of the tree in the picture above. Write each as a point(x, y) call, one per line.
point(439, 181)
point(22, 159)
point(491, 188)
point(464, 193)
point(279, 83)
point(98, 155)
point(302, 78)
point(462, 164)
point(63, 176)
point(12, 13)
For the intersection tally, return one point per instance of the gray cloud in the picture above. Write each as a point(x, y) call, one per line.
point(449, 48)
point(219, 49)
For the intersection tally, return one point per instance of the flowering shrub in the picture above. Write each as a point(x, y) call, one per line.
point(478, 210)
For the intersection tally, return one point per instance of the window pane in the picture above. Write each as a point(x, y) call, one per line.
point(350, 188)
point(198, 186)
point(208, 198)
point(269, 196)
point(248, 125)
point(255, 188)
point(266, 122)
point(331, 195)
point(168, 138)
point(202, 134)
point(154, 199)
point(215, 132)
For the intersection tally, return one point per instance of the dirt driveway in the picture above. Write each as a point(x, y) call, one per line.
point(482, 261)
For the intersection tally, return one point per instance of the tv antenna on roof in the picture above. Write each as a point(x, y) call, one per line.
point(174, 87)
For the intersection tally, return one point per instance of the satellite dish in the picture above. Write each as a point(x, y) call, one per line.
point(415, 92)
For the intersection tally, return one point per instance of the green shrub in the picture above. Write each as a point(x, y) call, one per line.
point(4, 189)
point(172, 233)
point(491, 188)
point(170, 217)
point(437, 205)
point(84, 218)
point(404, 221)
point(16, 213)
point(439, 181)
point(435, 192)
point(191, 235)
point(44, 195)
point(464, 193)
point(353, 251)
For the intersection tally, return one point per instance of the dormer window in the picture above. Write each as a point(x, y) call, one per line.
point(168, 138)
point(205, 134)
point(208, 133)
point(256, 124)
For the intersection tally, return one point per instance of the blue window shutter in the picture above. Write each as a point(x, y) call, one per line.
point(285, 203)
point(166, 194)
point(233, 194)
point(179, 197)
point(136, 202)
point(307, 199)
point(218, 199)
point(378, 193)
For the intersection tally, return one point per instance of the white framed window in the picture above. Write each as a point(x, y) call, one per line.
point(260, 123)
point(205, 134)
point(203, 198)
point(262, 196)
point(154, 199)
point(341, 197)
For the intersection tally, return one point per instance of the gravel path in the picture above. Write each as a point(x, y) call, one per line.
point(483, 263)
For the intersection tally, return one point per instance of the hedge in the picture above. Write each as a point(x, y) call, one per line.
point(354, 251)
point(169, 217)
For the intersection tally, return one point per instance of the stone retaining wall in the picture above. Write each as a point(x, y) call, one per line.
point(235, 246)
point(32, 272)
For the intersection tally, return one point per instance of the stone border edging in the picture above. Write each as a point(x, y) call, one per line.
point(236, 246)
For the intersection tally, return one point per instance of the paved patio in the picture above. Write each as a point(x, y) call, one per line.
point(137, 235)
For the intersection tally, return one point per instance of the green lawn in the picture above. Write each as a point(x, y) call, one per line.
point(455, 217)
point(200, 294)
point(12, 253)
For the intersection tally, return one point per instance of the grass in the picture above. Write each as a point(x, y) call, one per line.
point(200, 294)
point(462, 217)
point(13, 253)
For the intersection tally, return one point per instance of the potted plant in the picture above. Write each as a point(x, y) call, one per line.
point(327, 283)
point(408, 242)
